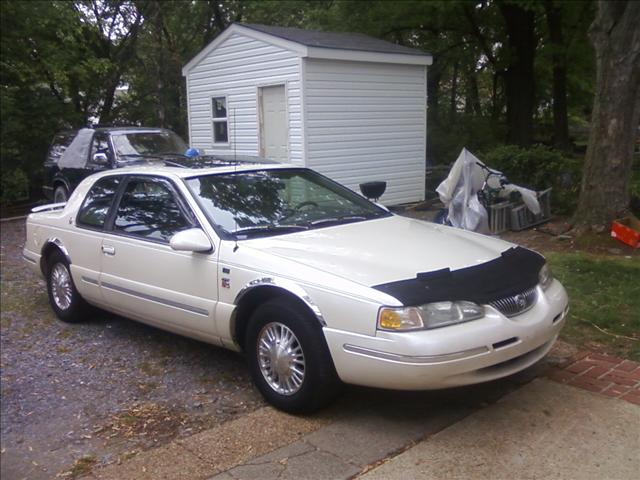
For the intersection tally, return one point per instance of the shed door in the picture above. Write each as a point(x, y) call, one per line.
point(273, 123)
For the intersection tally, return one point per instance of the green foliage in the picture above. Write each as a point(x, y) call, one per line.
point(475, 133)
point(63, 60)
point(635, 185)
point(605, 300)
point(539, 168)
point(14, 186)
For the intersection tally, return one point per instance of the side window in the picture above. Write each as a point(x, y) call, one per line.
point(100, 145)
point(95, 207)
point(219, 118)
point(150, 209)
point(60, 143)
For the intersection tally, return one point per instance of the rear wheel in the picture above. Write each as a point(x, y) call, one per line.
point(65, 300)
point(60, 194)
point(289, 360)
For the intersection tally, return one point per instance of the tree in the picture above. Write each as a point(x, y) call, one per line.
point(111, 32)
point(553, 12)
point(519, 75)
point(604, 193)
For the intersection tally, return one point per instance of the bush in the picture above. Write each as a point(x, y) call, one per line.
point(447, 138)
point(14, 186)
point(539, 168)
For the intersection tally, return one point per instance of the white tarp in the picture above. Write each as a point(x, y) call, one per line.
point(77, 153)
point(459, 193)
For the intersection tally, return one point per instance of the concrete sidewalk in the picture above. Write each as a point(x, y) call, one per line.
point(544, 430)
point(512, 428)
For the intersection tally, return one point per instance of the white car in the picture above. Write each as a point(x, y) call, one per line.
point(314, 283)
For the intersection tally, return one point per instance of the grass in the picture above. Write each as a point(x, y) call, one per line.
point(604, 293)
point(82, 466)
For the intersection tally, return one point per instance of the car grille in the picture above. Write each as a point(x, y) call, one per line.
point(516, 304)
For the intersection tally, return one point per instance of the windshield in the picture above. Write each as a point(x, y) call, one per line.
point(271, 202)
point(148, 144)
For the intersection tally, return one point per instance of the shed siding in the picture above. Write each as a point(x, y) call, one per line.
point(367, 121)
point(235, 69)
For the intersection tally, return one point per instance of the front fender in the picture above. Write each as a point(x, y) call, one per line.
point(287, 285)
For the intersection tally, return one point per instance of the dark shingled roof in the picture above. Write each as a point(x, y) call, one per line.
point(337, 40)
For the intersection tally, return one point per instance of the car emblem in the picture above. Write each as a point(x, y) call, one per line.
point(521, 301)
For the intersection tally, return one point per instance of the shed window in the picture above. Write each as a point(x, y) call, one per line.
point(219, 111)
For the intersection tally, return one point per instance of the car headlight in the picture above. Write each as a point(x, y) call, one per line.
point(427, 316)
point(545, 277)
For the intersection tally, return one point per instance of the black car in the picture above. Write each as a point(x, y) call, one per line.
point(76, 154)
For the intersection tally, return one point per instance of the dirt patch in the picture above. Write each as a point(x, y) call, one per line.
point(556, 236)
point(553, 236)
point(146, 420)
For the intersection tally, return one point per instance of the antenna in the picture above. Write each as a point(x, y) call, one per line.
point(235, 168)
point(235, 145)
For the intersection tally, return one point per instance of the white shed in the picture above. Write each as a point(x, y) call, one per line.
point(350, 106)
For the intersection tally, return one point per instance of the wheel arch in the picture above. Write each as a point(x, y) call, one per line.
point(60, 181)
point(259, 291)
point(51, 245)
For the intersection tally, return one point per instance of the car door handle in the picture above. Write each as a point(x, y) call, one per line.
point(107, 250)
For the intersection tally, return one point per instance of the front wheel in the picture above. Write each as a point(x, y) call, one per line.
point(289, 360)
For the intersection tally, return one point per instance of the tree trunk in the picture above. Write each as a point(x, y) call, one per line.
point(495, 108)
point(108, 99)
point(519, 75)
point(558, 56)
point(604, 193)
point(434, 76)
point(454, 91)
point(472, 100)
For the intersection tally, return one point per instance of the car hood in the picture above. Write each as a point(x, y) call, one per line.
point(382, 250)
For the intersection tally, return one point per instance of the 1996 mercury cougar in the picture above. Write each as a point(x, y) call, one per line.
point(314, 283)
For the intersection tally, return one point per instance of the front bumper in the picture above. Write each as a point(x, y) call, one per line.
point(477, 351)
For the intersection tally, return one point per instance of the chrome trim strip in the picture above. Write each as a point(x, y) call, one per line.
point(423, 359)
point(48, 207)
point(29, 259)
point(286, 285)
point(163, 301)
point(90, 280)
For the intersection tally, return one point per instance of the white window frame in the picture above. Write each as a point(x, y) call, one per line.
point(215, 120)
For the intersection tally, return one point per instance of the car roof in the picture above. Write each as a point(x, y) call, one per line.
point(117, 130)
point(185, 172)
point(122, 130)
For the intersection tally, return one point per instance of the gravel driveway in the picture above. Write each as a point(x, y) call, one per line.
point(102, 390)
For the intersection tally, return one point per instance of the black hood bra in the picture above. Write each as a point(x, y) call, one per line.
point(513, 272)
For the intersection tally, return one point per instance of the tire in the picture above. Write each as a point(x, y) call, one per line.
point(60, 194)
point(319, 383)
point(65, 300)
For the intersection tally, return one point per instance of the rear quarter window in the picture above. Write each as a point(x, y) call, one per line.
point(96, 205)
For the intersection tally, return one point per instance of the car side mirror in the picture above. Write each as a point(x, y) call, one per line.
point(192, 240)
point(373, 190)
point(100, 159)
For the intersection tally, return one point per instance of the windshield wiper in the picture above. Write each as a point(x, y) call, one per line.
point(337, 220)
point(140, 155)
point(266, 229)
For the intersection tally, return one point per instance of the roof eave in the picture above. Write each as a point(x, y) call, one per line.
point(366, 56)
